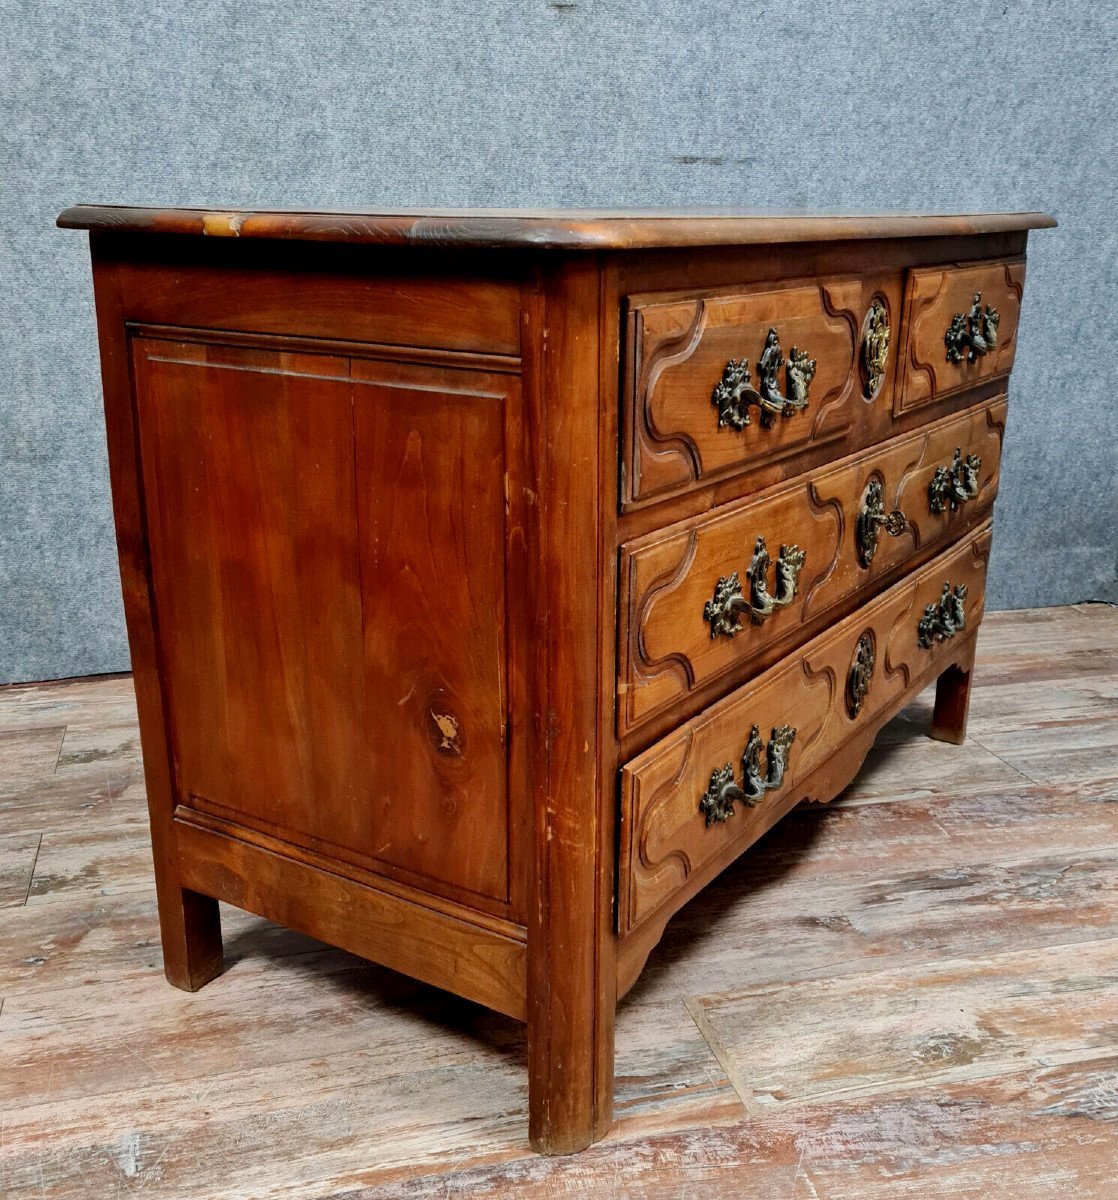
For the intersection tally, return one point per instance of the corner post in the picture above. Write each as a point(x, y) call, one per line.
point(190, 924)
point(572, 977)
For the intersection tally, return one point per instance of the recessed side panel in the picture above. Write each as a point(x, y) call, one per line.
point(332, 678)
point(430, 462)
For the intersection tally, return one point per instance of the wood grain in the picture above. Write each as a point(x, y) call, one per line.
point(18, 855)
point(570, 229)
point(369, 497)
point(975, 1017)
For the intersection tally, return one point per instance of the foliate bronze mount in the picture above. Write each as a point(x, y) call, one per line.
point(734, 394)
point(951, 486)
point(973, 333)
point(717, 802)
point(944, 619)
point(729, 603)
point(872, 519)
point(861, 674)
point(875, 348)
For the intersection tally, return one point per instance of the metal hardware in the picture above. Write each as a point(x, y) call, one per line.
point(717, 802)
point(776, 760)
point(734, 393)
point(801, 371)
point(973, 333)
point(729, 602)
point(861, 674)
point(872, 519)
point(944, 619)
point(875, 347)
point(951, 486)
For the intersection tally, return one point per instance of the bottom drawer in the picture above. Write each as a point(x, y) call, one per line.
point(711, 784)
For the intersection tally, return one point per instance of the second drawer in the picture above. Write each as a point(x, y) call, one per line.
point(700, 600)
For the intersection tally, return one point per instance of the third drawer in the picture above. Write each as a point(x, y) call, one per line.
point(704, 600)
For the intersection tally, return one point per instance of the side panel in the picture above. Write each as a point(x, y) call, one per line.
point(430, 502)
point(332, 678)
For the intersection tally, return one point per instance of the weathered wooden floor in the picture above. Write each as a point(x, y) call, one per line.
point(912, 993)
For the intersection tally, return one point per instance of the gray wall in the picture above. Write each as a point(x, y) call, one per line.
point(827, 104)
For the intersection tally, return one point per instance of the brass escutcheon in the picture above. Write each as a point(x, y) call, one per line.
point(861, 674)
point(875, 347)
point(872, 519)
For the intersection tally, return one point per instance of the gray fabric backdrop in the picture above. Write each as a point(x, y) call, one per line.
point(825, 104)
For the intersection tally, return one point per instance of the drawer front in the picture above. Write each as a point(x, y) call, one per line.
point(960, 329)
point(717, 383)
point(706, 788)
point(693, 598)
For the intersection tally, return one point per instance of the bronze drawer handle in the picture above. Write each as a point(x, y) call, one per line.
point(872, 519)
point(951, 486)
point(729, 603)
point(734, 393)
point(973, 333)
point(717, 802)
point(944, 619)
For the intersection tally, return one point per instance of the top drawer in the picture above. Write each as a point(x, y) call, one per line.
point(717, 383)
point(960, 328)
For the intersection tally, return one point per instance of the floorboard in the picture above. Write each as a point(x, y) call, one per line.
point(909, 994)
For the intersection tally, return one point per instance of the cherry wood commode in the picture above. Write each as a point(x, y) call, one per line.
point(494, 579)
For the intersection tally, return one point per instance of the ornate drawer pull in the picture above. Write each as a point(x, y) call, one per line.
point(875, 347)
point(973, 333)
point(872, 519)
point(944, 619)
point(717, 802)
point(734, 393)
point(861, 674)
point(952, 485)
point(729, 603)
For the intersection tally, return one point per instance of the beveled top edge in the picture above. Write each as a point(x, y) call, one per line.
point(559, 229)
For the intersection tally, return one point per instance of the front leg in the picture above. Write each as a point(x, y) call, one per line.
point(949, 717)
point(572, 973)
point(572, 999)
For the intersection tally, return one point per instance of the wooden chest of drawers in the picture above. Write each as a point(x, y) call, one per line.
point(493, 580)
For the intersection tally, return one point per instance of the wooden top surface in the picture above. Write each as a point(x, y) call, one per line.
point(549, 229)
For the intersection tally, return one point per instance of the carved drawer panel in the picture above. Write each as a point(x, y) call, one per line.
point(706, 791)
point(960, 328)
point(716, 384)
point(704, 598)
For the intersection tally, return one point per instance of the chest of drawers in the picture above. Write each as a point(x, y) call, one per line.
point(494, 579)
